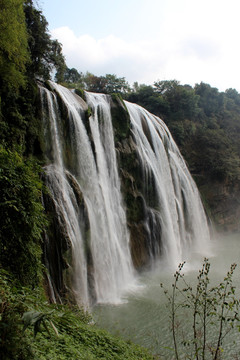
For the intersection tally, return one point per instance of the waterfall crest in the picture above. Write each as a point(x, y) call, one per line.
point(91, 190)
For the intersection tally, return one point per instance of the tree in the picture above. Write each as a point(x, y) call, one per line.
point(46, 54)
point(107, 84)
point(14, 54)
point(211, 101)
point(213, 313)
point(72, 76)
point(148, 98)
point(58, 61)
point(234, 95)
point(161, 87)
point(113, 84)
point(182, 100)
point(21, 217)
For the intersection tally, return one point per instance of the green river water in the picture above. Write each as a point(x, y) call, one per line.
point(143, 317)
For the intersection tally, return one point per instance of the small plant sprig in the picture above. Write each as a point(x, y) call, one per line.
point(209, 308)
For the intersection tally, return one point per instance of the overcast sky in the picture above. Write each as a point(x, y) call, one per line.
point(149, 40)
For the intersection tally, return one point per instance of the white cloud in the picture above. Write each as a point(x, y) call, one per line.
point(186, 49)
point(108, 55)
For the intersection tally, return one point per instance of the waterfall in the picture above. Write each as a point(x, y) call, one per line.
point(93, 166)
point(63, 196)
point(178, 209)
point(86, 182)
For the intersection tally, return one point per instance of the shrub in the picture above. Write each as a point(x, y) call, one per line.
point(22, 218)
point(213, 313)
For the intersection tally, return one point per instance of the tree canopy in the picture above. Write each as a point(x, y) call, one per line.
point(46, 54)
point(14, 54)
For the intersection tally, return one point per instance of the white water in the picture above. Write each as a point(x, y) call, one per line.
point(180, 211)
point(64, 199)
point(100, 186)
point(101, 266)
point(109, 234)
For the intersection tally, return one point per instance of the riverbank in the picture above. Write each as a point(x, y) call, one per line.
point(31, 328)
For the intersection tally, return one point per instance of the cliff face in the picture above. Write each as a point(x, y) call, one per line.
point(223, 204)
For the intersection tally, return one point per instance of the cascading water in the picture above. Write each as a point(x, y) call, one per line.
point(83, 179)
point(178, 208)
point(63, 196)
point(94, 169)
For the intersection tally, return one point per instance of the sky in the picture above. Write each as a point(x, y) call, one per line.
point(150, 40)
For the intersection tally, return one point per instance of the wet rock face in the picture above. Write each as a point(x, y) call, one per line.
point(139, 246)
point(56, 246)
point(224, 202)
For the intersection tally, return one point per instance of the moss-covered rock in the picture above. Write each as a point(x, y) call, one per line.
point(81, 93)
point(120, 118)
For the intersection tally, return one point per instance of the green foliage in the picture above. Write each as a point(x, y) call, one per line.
point(72, 76)
point(214, 154)
point(113, 84)
point(46, 54)
point(13, 45)
point(161, 87)
point(210, 99)
point(108, 84)
point(26, 52)
point(213, 312)
point(13, 343)
point(36, 319)
point(21, 217)
point(81, 341)
point(120, 118)
point(69, 332)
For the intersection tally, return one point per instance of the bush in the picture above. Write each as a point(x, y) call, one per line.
point(13, 343)
point(22, 219)
point(213, 313)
